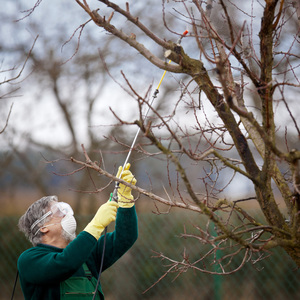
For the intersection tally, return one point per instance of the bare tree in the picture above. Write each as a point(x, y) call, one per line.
point(241, 126)
point(234, 70)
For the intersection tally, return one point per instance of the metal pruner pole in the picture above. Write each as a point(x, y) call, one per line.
point(114, 194)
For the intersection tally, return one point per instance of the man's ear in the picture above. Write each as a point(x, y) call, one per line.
point(44, 229)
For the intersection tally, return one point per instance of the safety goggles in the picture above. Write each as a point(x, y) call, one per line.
point(58, 210)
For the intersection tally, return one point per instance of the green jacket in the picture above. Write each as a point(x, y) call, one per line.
point(42, 268)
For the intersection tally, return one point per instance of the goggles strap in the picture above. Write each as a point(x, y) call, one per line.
point(41, 219)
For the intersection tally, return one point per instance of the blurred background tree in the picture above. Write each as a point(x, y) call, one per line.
point(62, 102)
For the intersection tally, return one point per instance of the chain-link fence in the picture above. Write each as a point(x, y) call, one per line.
point(273, 278)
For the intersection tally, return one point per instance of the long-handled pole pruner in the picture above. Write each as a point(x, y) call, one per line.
point(114, 194)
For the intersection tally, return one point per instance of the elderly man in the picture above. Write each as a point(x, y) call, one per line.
point(63, 266)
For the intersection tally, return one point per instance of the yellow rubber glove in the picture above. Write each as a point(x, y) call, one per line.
point(104, 216)
point(125, 199)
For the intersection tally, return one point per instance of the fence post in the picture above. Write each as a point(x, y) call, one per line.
point(217, 278)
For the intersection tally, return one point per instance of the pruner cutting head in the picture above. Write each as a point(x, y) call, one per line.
point(182, 36)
